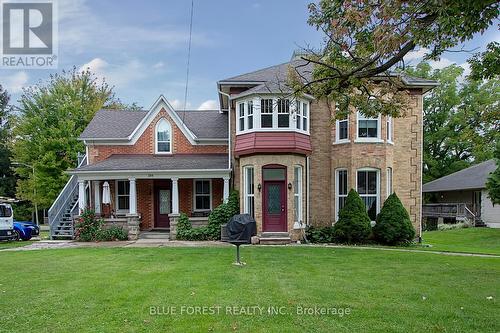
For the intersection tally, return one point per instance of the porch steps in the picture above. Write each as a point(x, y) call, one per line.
point(155, 234)
point(275, 238)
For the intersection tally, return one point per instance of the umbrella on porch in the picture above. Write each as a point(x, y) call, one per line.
point(106, 199)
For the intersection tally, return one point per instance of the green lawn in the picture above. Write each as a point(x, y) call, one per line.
point(112, 290)
point(470, 240)
point(6, 245)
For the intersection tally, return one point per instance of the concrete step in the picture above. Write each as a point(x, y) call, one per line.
point(154, 235)
point(275, 238)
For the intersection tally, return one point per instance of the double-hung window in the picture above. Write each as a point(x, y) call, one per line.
point(368, 189)
point(297, 194)
point(250, 115)
point(202, 195)
point(368, 128)
point(342, 130)
point(123, 195)
point(163, 137)
point(305, 116)
point(298, 115)
point(248, 180)
point(389, 128)
point(283, 113)
point(341, 190)
point(266, 113)
point(241, 116)
point(389, 181)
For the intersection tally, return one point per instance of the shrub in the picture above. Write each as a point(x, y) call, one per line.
point(220, 215)
point(353, 225)
point(393, 223)
point(319, 234)
point(458, 225)
point(112, 233)
point(88, 226)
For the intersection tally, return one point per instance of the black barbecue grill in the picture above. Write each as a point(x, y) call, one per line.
point(239, 230)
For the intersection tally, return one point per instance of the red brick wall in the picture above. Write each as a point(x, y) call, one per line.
point(145, 144)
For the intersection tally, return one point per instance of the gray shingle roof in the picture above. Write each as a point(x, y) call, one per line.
point(139, 162)
point(205, 124)
point(112, 124)
point(473, 177)
point(119, 124)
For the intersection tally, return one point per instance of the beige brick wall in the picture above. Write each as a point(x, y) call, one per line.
point(288, 160)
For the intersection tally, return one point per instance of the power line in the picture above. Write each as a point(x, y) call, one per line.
point(189, 55)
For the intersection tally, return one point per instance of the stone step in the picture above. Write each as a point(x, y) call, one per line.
point(154, 235)
point(275, 240)
point(274, 235)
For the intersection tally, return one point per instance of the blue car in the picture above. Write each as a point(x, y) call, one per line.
point(24, 230)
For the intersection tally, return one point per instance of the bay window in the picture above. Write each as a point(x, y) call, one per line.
point(305, 116)
point(266, 113)
point(283, 113)
point(341, 191)
point(298, 116)
point(368, 186)
point(248, 185)
point(202, 194)
point(250, 114)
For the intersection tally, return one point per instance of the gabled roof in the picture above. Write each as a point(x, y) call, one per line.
point(128, 125)
point(273, 73)
point(473, 177)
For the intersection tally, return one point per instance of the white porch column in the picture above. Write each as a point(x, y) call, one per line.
point(225, 194)
point(97, 197)
point(132, 197)
point(81, 195)
point(175, 196)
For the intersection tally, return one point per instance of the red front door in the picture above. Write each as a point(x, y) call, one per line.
point(163, 204)
point(275, 208)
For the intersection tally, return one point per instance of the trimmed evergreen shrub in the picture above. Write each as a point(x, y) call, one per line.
point(393, 223)
point(353, 225)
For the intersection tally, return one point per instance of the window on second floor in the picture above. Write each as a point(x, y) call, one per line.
point(266, 113)
point(163, 137)
point(342, 130)
point(368, 128)
point(241, 116)
point(283, 113)
point(250, 114)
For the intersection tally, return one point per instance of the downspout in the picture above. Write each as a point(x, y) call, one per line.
point(308, 178)
point(229, 127)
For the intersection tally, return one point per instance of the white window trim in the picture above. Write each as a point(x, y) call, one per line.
point(389, 181)
point(247, 195)
point(241, 116)
point(194, 194)
point(389, 129)
point(257, 125)
point(299, 194)
point(170, 137)
point(121, 211)
point(337, 191)
point(378, 139)
point(378, 187)
point(337, 131)
point(247, 114)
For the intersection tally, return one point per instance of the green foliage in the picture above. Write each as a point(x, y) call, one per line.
point(393, 223)
point(353, 225)
point(319, 234)
point(113, 233)
point(88, 226)
point(486, 65)
point(23, 211)
point(7, 177)
point(364, 39)
point(493, 182)
point(220, 215)
point(51, 117)
point(460, 120)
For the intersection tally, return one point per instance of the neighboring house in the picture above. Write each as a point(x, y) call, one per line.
point(291, 165)
point(463, 195)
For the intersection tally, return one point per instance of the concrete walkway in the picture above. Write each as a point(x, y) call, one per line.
point(65, 244)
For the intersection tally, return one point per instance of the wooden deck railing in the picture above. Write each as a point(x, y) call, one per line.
point(448, 210)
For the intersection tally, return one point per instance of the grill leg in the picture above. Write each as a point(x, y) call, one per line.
point(238, 255)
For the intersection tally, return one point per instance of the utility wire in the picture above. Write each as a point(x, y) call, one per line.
point(188, 57)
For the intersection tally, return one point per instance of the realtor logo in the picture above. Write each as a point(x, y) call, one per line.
point(29, 34)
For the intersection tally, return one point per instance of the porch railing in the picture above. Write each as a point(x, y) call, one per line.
point(448, 210)
point(63, 200)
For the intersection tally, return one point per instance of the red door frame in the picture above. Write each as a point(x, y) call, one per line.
point(161, 221)
point(269, 223)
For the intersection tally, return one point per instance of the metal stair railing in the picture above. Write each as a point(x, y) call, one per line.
point(63, 200)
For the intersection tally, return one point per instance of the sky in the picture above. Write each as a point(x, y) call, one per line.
point(140, 47)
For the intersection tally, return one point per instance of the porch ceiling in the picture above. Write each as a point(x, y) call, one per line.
point(155, 166)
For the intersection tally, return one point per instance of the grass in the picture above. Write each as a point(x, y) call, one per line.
point(469, 240)
point(112, 290)
point(11, 244)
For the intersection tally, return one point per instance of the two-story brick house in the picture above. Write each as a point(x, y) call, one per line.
point(291, 164)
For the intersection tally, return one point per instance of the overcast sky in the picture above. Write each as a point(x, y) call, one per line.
point(140, 47)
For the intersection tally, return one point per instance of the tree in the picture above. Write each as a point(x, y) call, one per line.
point(51, 117)
point(485, 65)
point(493, 182)
point(460, 120)
point(353, 225)
point(7, 177)
point(366, 39)
point(393, 223)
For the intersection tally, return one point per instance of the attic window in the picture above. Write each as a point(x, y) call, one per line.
point(163, 137)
